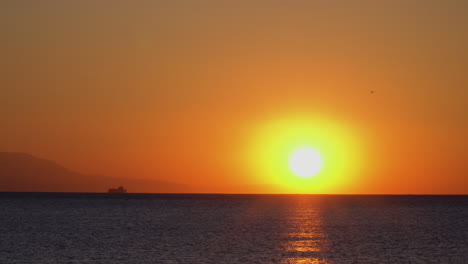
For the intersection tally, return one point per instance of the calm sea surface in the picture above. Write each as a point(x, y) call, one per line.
point(151, 228)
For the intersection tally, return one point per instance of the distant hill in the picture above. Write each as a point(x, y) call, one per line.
point(26, 173)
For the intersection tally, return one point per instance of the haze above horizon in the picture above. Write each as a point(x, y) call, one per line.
point(222, 93)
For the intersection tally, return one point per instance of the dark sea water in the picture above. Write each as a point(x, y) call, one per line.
point(151, 228)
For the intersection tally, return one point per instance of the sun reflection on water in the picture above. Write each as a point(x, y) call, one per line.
point(305, 240)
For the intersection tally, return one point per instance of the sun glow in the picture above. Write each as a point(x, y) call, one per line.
point(305, 162)
point(306, 155)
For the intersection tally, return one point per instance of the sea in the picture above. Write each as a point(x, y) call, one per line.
point(217, 228)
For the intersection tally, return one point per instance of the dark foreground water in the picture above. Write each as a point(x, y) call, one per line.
point(145, 228)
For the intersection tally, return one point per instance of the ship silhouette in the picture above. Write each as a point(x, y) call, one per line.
point(121, 189)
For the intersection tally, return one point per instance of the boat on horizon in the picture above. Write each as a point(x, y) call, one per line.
point(120, 189)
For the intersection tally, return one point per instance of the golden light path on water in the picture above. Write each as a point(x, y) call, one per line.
point(306, 239)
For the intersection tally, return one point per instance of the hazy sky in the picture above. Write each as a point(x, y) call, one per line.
point(176, 90)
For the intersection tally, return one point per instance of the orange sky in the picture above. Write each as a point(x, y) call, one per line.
point(176, 90)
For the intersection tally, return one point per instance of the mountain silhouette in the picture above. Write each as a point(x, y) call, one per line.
point(22, 172)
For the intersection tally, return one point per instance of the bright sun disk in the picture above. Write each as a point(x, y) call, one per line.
point(305, 162)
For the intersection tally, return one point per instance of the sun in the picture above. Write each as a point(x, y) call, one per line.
point(299, 153)
point(305, 162)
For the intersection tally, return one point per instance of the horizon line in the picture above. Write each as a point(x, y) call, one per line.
point(221, 193)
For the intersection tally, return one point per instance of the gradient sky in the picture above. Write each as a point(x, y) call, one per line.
point(178, 90)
